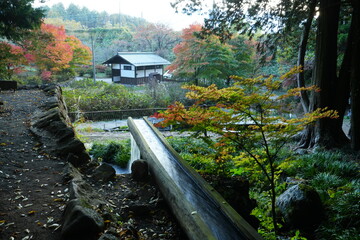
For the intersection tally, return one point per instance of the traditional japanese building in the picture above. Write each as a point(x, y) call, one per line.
point(134, 68)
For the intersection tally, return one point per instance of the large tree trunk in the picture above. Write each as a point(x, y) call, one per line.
point(327, 132)
point(355, 80)
point(305, 102)
point(344, 76)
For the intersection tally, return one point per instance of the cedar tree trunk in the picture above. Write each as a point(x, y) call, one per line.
point(344, 76)
point(326, 132)
point(355, 80)
point(305, 102)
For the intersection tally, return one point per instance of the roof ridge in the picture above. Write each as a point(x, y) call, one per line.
point(133, 53)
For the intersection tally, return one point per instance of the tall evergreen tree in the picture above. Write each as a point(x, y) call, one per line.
point(17, 16)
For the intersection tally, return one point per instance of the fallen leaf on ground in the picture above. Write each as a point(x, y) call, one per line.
point(58, 200)
point(31, 213)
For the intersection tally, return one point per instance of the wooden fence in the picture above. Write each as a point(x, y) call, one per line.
point(114, 114)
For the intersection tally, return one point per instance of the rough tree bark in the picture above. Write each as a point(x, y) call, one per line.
point(326, 132)
point(305, 102)
point(355, 79)
point(344, 77)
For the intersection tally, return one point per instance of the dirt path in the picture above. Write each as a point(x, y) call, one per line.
point(31, 189)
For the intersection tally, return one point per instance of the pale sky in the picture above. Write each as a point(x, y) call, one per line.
point(155, 11)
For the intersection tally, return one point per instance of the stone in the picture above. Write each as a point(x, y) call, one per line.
point(60, 129)
point(54, 127)
point(139, 170)
point(81, 222)
point(52, 102)
point(70, 172)
point(50, 89)
point(104, 173)
point(301, 207)
point(82, 190)
point(44, 119)
point(76, 160)
point(72, 145)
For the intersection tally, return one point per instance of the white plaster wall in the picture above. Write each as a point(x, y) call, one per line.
point(140, 73)
point(148, 71)
point(128, 73)
point(116, 66)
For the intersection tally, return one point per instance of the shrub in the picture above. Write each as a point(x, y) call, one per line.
point(46, 76)
point(122, 157)
point(84, 83)
point(190, 145)
point(32, 80)
point(65, 75)
point(100, 68)
point(85, 70)
point(112, 152)
point(97, 150)
point(248, 118)
point(87, 95)
point(108, 72)
point(200, 155)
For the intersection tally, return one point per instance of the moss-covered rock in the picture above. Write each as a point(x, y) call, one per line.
point(301, 207)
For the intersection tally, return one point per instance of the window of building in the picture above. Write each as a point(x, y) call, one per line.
point(127, 67)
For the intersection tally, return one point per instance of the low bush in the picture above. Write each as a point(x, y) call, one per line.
point(97, 151)
point(33, 80)
point(200, 155)
point(114, 152)
point(86, 95)
point(85, 70)
point(122, 157)
point(190, 145)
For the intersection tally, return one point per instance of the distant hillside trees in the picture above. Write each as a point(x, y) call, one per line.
point(157, 38)
point(112, 33)
point(93, 19)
